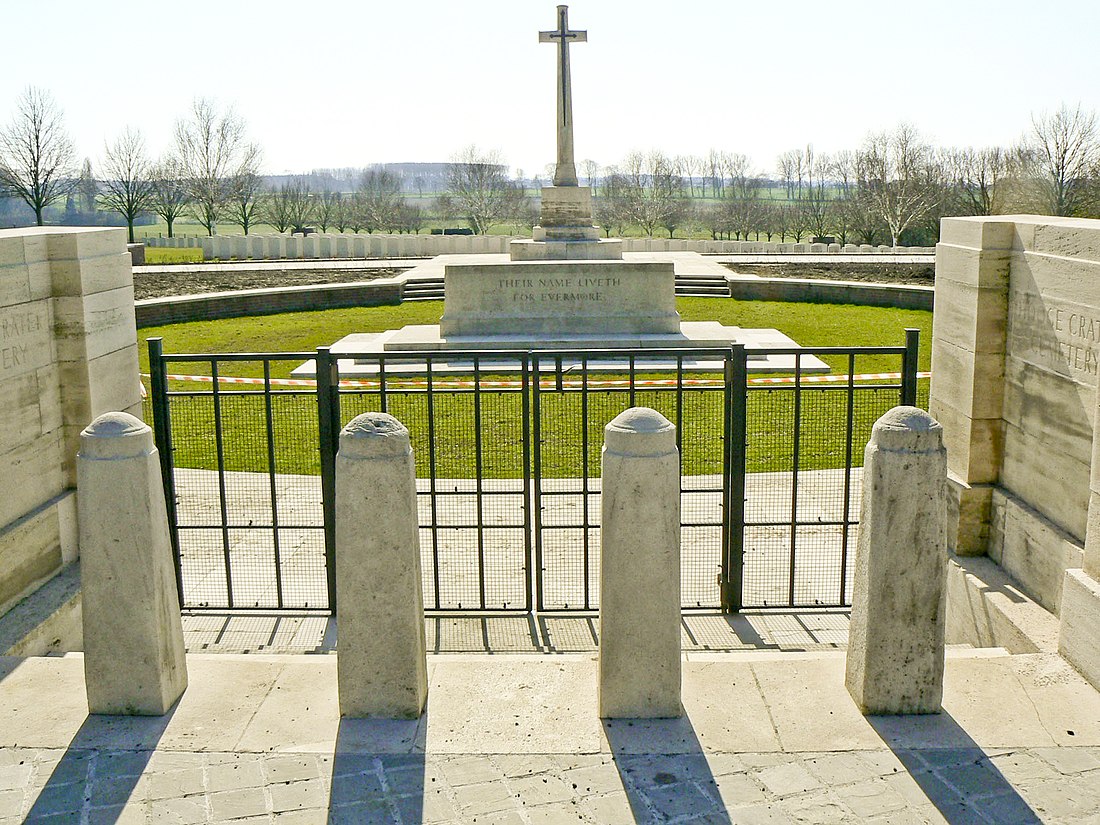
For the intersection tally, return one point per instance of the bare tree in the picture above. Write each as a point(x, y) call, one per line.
point(975, 176)
point(611, 210)
point(1064, 150)
point(591, 173)
point(128, 187)
point(798, 220)
point(37, 159)
point(479, 187)
point(276, 208)
point(380, 198)
point(793, 166)
point(88, 189)
point(410, 218)
point(213, 149)
point(170, 198)
point(244, 204)
point(654, 191)
point(289, 206)
point(714, 165)
point(815, 201)
point(325, 208)
point(776, 220)
point(900, 178)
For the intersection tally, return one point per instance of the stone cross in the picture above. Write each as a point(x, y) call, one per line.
point(565, 174)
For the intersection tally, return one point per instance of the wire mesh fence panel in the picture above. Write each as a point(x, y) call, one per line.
point(247, 498)
point(805, 446)
point(468, 439)
point(570, 417)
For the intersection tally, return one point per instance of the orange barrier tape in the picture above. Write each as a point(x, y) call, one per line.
point(597, 382)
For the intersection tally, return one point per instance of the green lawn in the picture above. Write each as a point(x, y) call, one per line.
point(157, 255)
point(822, 444)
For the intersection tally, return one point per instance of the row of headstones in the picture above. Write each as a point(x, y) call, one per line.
point(133, 641)
point(274, 247)
point(278, 247)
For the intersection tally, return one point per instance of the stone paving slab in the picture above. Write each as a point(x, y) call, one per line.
point(907, 785)
point(766, 738)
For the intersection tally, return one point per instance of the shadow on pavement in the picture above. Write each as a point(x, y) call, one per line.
point(100, 769)
point(378, 771)
point(950, 768)
point(664, 770)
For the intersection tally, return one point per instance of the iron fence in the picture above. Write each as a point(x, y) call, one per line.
point(507, 449)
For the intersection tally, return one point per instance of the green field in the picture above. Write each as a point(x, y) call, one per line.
point(155, 255)
point(822, 443)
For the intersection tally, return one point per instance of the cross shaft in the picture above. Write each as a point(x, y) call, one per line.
point(565, 173)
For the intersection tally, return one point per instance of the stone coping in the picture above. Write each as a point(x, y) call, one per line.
point(153, 311)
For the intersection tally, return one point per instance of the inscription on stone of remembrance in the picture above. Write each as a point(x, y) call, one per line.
point(24, 340)
point(584, 289)
point(1054, 335)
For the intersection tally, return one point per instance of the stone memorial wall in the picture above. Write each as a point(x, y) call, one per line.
point(1015, 357)
point(68, 352)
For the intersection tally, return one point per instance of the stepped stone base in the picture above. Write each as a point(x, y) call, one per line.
point(601, 249)
point(358, 352)
point(565, 231)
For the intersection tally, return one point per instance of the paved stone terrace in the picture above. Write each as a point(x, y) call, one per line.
point(791, 631)
point(768, 738)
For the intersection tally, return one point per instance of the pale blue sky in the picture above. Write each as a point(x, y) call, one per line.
point(336, 83)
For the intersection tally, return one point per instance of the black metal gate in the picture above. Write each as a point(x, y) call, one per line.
point(507, 451)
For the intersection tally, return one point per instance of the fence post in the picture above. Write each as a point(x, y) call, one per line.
point(381, 659)
point(733, 557)
point(896, 640)
point(909, 368)
point(134, 662)
point(639, 652)
point(162, 437)
point(328, 428)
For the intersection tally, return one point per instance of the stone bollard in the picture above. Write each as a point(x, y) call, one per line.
point(381, 658)
point(896, 639)
point(134, 660)
point(639, 652)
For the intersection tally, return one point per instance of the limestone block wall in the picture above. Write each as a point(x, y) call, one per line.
point(275, 247)
point(1015, 356)
point(68, 351)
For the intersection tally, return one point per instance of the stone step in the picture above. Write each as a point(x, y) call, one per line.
point(703, 291)
point(426, 289)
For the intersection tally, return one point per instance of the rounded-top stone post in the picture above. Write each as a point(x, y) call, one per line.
point(381, 657)
point(896, 638)
point(639, 652)
point(134, 660)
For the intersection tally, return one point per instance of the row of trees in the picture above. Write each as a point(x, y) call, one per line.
point(211, 173)
point(208, 172)
point(895, 184)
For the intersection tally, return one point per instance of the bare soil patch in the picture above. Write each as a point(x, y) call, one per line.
point(914, 274)
point(164, 285)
